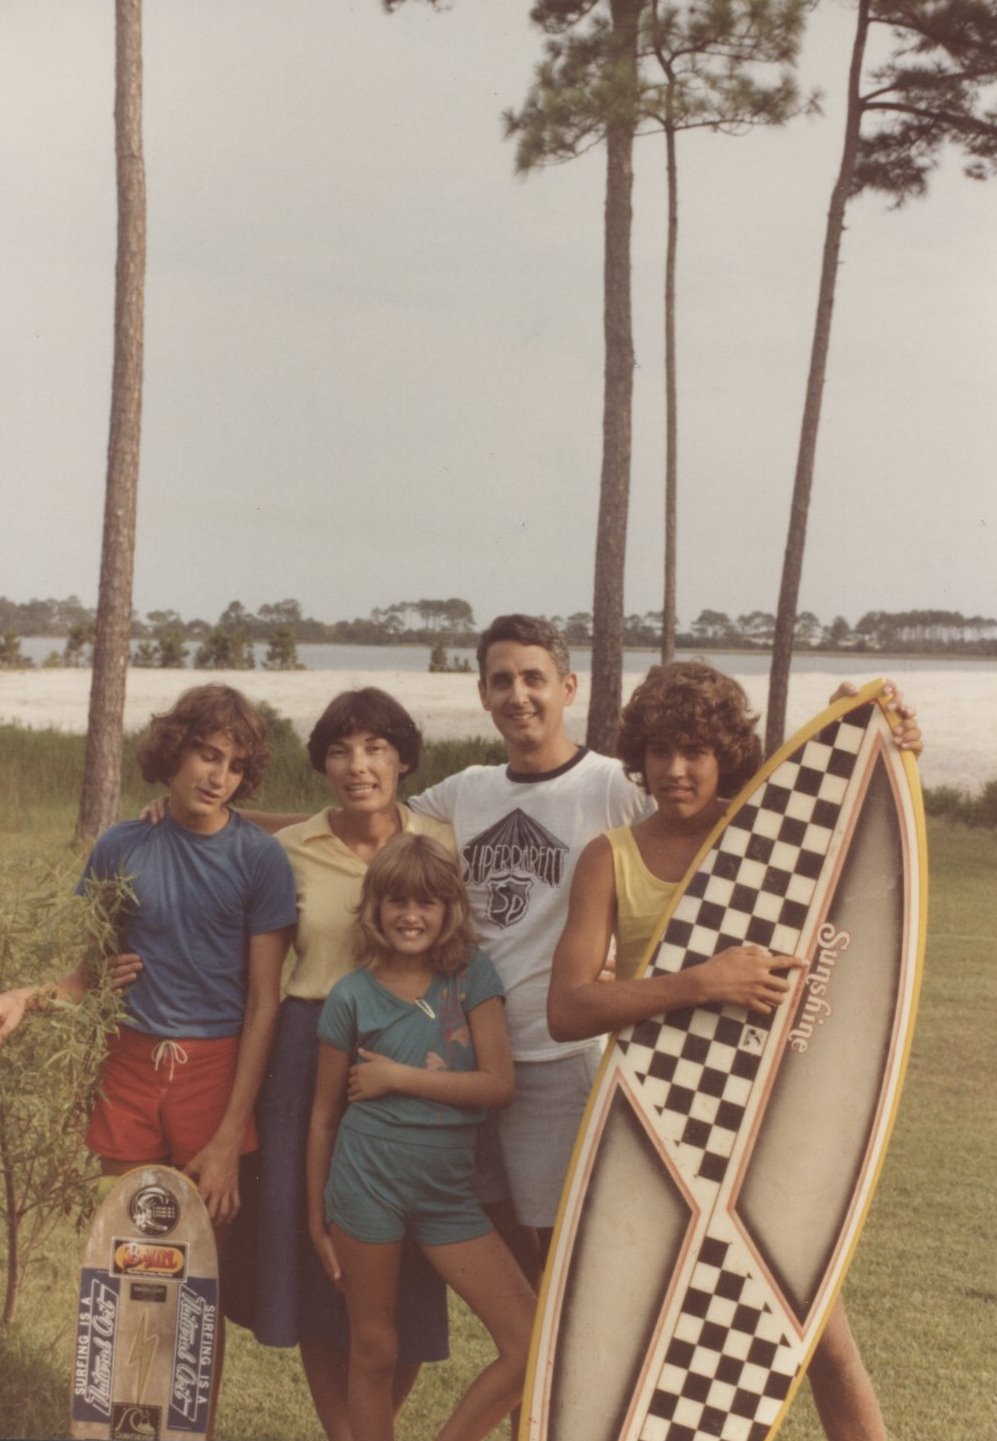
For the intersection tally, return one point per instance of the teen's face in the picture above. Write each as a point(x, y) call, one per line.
point(524, 695)
point(411, 927)
point(682, 780)
point(208, 776)
point(363, 770)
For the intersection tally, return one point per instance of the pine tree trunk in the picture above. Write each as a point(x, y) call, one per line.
point(614, 491)
point(12, 1222)
point(792, 567)
point(101, 792)
point(669, 617)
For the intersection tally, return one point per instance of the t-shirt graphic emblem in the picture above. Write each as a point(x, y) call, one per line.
point(509, 858)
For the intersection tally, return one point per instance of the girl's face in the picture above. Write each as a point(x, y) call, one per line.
point(363, 770)
point(411, 927)
point(682, 780)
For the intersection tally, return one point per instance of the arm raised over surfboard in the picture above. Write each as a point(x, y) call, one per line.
point(579, 1004)
point(907, 733)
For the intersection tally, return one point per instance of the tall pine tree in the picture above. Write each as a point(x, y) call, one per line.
point(101, 791)
point(934, 90)
point(714, 65)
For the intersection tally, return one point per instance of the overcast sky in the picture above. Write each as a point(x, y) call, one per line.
point(374, 356)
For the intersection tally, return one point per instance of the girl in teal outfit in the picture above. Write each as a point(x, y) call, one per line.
point(414, 1050)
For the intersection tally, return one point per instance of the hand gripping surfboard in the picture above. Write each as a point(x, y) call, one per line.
point(726, 1161)
point(147, 1321)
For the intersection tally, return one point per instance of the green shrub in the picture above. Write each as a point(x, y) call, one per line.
point(946, 801)
point(958, 805)
point(985, 806)
point(51, 1064)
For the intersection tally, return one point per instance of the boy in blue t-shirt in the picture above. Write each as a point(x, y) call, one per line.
point(202, 950)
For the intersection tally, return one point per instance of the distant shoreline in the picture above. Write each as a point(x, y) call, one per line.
point(945, 655)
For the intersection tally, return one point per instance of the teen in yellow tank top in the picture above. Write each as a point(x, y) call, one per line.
point(641, 901)
point(687, 733)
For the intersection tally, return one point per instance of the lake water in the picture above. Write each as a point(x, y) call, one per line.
point(956, 700)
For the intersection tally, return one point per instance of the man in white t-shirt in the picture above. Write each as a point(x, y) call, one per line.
point(520, 829)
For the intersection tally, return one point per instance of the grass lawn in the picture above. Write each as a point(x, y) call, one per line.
point(922, 1292)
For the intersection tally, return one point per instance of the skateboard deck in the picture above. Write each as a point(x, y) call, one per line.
point(146, 1324)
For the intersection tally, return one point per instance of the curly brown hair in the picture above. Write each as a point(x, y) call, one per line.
point(414, 866)
point(199, 713)
point(690, 703)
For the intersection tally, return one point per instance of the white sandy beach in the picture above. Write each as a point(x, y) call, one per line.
point(956, 707)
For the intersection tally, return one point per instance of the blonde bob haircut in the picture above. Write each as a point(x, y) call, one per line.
point(416, 867)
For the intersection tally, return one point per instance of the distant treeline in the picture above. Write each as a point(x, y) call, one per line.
point(163, 638)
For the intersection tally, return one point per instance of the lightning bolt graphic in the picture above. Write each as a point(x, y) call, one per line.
point(143, 1353)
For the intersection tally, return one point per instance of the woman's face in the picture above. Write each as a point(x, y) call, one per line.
point(363, 770)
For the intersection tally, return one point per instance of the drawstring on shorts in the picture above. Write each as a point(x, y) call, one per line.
point(172, 1049)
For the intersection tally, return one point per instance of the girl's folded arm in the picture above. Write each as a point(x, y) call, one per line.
point(491, 1084)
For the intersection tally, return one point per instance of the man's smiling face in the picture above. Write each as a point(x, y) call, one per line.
point(525, 696)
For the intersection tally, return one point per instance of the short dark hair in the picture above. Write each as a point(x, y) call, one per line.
point(199, 713)
point(414, 865)
point(369, 709)
point(525, 630)
point(689, 702)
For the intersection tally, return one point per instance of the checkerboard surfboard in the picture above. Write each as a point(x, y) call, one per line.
point(727, 1161)
point(146, 1323)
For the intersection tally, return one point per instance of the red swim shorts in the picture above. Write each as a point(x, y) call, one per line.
point(162, 1100)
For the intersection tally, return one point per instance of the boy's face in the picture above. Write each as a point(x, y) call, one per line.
point(208, 776)
point(682, 778)
point(524, 695)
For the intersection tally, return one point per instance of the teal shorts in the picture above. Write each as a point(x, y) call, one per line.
point(384, 1190)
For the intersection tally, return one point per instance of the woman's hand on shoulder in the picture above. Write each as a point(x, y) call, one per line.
point(154, 811)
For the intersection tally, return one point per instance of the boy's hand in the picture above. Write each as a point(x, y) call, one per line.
point(154, 811)
point(744, 976)
point(215, 1168)
point(122, 970)
point(375, 1076)
point(907, 735)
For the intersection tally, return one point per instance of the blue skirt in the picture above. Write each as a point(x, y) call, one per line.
point(292, 1298)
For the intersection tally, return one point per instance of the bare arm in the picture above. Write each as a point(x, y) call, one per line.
point(579, 1004)
point(269, 821)
point(15, 1004)
point(216, 1165)
point(491, 1084)
point(328, 1105)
